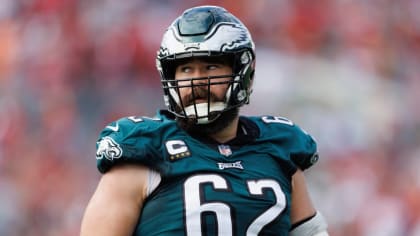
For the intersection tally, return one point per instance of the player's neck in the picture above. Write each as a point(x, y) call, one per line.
point(227, 133)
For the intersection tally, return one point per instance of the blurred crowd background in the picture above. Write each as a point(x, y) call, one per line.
point(346, 71)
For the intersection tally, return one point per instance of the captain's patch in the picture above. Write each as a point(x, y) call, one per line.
point(109, 149)
point(177, 149)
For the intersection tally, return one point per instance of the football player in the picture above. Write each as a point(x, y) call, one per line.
point(200, 168)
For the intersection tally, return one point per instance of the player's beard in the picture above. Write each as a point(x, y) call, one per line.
point(221, 119)
point(224, 120)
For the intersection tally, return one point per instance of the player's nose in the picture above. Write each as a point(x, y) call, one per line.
point(200, 78)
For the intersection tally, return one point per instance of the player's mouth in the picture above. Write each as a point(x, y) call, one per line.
point(201, 100)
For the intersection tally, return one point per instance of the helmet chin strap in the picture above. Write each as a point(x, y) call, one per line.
point(202, 111)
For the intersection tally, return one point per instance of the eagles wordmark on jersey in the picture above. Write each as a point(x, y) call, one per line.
point(204, 185)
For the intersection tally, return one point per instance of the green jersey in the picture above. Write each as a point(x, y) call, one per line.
point(242, 187)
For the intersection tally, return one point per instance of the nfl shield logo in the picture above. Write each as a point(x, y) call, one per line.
point(225, 150)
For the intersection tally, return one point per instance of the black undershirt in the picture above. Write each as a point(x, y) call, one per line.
point(247, 133)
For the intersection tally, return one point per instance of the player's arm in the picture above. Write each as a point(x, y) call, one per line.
point(304, 217)
point(302, 206)
point(116, 204)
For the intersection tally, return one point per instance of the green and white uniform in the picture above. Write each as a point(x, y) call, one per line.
point(240, 188)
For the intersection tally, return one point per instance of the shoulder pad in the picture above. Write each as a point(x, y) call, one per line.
point(128, 139)
point(300, 146)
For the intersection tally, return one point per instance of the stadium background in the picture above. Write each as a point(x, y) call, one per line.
point(346, 71)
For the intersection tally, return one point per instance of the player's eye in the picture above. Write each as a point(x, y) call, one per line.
point(213, 67)
point(185, 69)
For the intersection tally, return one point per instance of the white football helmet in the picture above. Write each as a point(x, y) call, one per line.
point(207, 31)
